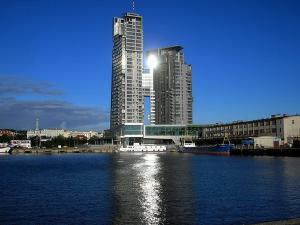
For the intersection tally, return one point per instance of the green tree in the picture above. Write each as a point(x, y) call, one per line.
point(5, 138)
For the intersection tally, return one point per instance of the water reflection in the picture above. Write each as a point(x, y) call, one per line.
point(147, 172)
point(137, 189)
point(152, 189)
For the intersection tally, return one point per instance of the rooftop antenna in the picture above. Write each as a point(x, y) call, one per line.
point(133, 5)
point(37, 124)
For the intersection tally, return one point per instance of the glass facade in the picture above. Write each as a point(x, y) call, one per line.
point(165, 130)
point(127, 102)
point(132, 130)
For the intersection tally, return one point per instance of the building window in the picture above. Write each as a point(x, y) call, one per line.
point(293, 121)
point(261, 131)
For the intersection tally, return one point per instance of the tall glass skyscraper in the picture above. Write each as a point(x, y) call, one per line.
point(172, 84)
point(168, 84)
point(127, 101)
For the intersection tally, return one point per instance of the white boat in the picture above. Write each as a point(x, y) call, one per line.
point(136, 147)
point(5, 150)
point(189, 144)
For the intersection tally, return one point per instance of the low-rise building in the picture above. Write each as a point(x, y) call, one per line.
point(7, 132)
point(87, 134)
point(262, 142)
point(282, 126)
point(48, 133)
point(3, 145)
point(138, 132)
point(172, 132)
point(52, 133)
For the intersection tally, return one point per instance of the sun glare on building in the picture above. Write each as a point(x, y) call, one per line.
point(152, 61)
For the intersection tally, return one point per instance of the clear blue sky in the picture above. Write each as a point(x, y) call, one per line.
point(55, 57)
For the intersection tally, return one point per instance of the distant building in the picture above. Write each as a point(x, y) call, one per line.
point(83, 134)
point(172, 84)
point(7, 132)
point(52, 133)
point(282, 126)
point(48, 133)
point(3, 145)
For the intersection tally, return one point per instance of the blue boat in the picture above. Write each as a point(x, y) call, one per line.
point(220, 149)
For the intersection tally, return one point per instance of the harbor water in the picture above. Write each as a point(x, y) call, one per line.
point(163, 188)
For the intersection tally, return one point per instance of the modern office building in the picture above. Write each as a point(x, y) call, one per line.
point(174, 134)
point(131, 83)
point(172, 84)
point(127, 102)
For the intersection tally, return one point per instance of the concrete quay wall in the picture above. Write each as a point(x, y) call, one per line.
point(89, 149)
point(295, 221)
point(268, 151)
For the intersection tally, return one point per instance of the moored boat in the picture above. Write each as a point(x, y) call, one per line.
point(5, 150)
point(136, 147)
point(220, 149)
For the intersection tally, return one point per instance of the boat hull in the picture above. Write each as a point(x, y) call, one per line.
point(212, 150)
point(5, 150)
point(143, 148)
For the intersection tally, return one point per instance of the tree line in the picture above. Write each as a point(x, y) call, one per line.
point(53, 142)
point(62, 141)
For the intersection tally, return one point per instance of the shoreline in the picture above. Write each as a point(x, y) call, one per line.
point(283, 152)
point(96, 149)
point(292, 152)
point(293, 221)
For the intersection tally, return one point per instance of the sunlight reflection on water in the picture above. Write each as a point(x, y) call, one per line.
point(147, 171)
